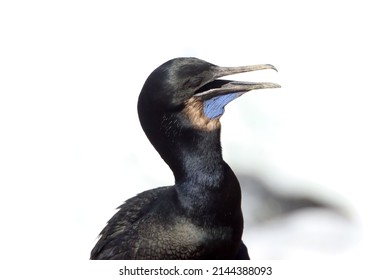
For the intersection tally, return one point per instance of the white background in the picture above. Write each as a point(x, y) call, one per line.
point(72, 149)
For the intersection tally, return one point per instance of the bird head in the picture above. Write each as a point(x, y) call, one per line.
point(190, 90)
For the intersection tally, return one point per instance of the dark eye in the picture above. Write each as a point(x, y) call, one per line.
point(194, 82)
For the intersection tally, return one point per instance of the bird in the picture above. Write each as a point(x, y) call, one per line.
point(200, 216)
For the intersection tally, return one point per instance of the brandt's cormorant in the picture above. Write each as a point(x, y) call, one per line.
point(199, 217)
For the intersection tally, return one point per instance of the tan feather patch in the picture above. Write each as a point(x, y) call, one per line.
point(194, 111)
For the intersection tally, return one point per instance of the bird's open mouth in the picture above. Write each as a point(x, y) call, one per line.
point(217, 93)
point(218, 87)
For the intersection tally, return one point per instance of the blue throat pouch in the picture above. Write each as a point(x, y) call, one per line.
point(215, 106)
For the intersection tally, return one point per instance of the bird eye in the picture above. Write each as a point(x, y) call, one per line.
point(193, 82)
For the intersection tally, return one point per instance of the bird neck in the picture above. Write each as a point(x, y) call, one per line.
point(204, 183)
point(203, 180)
point(196, 157)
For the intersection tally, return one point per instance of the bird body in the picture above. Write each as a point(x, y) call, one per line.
point(200, 216)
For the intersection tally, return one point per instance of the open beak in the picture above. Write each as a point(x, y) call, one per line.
point(218, 87)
